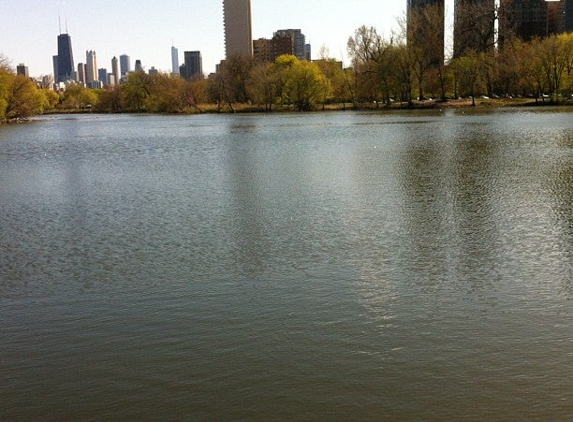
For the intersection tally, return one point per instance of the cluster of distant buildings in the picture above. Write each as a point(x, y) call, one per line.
point(238, 41)
point(88, 73)
point(524, 18)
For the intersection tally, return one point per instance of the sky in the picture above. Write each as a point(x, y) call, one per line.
point(146, 29)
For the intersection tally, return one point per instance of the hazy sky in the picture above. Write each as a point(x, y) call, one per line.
point(146, 29)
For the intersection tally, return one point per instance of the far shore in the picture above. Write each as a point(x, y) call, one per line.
point(429, 104)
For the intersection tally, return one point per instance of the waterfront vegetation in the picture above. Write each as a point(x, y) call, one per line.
point(384, 72)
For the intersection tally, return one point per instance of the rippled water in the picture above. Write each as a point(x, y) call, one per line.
point(343, 266)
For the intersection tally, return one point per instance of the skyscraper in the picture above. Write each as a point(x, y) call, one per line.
point(265, 50)
point(569, 15)
point(55, 63)
point(115, 71)
point(426, 27)
point(474, 26)
point(22, 69)
point(556, 17)
point(65, 58)
point(102, 76)
point(124, 64)
point(525, 19)
point(238, 28)
point(174, 60)
point(91, 67)
point(298, 40)
point(193, 68)
point(81, 73)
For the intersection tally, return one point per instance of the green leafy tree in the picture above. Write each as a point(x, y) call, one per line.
point(554, 56)
point(337, 89)
point(52, 98)
point(468, 72)
point(79, 97)
point(304, 83)
point(6, 77)
point(366, 50)
point(531, 67)
point(137, 90)
point(164, 94)
point(23, 98)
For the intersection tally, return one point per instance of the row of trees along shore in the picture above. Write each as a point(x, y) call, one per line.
point(385, 71)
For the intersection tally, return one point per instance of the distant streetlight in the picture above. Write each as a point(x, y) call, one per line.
point(547, 16)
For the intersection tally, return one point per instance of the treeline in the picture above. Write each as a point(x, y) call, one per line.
point(288, 83)
point(386, 69)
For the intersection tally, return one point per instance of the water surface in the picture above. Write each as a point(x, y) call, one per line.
point(341, 266)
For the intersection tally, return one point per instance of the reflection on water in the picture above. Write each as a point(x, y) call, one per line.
point(302, 267)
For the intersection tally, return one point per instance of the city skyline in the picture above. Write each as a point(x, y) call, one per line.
point(147, 33)
point(155, 55)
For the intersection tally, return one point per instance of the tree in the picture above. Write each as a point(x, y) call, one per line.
point(79, 97)
point(405, 57)
point(6, 76)
point(52, 98)
point(110, 100)
point(554, 60)
point(299, 83)
point(508, 75)
point(567, 40)
point(262, 85)
point(475, 26)
point(137, 90)
point(193, 93)
point(337, 87)
point(374, 62)
point(532, 68)
point(424, 31)
point(233, 79)
point(306, 85)
point(165, 94)
point(23, 98)
point(467, 70)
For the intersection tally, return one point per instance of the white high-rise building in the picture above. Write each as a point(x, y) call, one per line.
point(238, 28)
point(175, 60)
point(115, 71)
point(91, 67)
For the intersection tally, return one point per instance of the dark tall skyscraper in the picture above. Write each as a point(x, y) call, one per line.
point(426, 27)
point(298, 38)
point(65, 68)
point(474, 26)
point(124, 64)
point(525, 19)
point(193, 67)
point(22, 69)
point(569, 15)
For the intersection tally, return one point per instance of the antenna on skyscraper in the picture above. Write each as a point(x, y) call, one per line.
point(60, 22)
point(67, 25)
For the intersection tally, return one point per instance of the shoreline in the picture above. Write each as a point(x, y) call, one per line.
point(430, 104)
